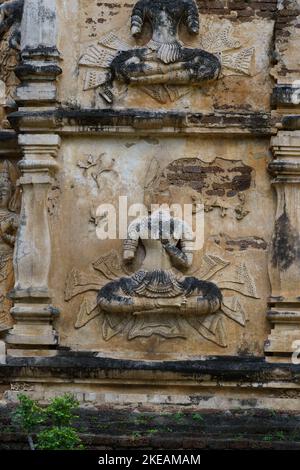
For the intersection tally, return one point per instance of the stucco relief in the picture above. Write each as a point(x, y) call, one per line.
point(9, 221)
point(163, 66)
point(10, 24)
point(159, 287)
point(101, 169)
point(235, 284)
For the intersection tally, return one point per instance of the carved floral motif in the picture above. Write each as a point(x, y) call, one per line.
point(101, 169)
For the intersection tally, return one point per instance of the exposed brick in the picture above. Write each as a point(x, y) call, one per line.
point(244, 9)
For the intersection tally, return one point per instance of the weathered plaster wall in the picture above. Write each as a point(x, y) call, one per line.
point(238, 228)
point(127, 161)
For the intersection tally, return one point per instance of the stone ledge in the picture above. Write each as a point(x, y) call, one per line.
point(101, 121)
point(212, 383)
point(84, 365)
point(8, 136)
point(9, 143)
point(291, 122)
point(286, 96)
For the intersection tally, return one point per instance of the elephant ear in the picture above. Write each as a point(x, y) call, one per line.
point(234, 310)
point(211, 328)
point(110, 266)
point(113, 325)
point(78, 283)
point(99, 56)
point(210, 266)
point(87, 312)
point(242, 282)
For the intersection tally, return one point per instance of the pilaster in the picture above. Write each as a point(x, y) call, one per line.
point(38, 70)
point(32, 311)
point(284, 255)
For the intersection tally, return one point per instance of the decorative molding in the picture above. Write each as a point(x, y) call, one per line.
point(100, 122)
point(39, 67)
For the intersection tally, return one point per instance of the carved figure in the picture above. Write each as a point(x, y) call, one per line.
point(164, 68)
point(9, 221)
point(10, 20)
point(10, 35)
point(165, 59)
point(156, 288)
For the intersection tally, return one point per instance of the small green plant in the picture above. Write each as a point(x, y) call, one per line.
point(28, 416)
point(58, 416)
point(59, 438)
point(136, 434)
point(141, 420)
point(178, 416)
point(61, 410)
point(197, 417)
point(268, 438)
point(152, 431)
point(168, 430)
point(295, 436)
point(102, 427)
point(280, 436)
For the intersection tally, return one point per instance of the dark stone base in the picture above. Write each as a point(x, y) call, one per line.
point(110, 429)
point(70, 364)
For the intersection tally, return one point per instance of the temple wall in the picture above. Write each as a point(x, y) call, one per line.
point(195, 104)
